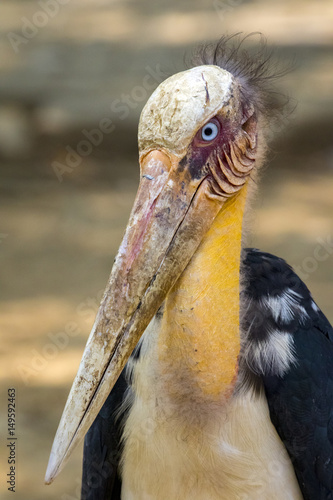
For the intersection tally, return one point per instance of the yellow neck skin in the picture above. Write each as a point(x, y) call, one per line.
point(199, 336)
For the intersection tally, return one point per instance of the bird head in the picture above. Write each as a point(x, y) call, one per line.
point(198, 146)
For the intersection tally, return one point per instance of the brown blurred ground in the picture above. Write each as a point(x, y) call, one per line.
point(58, 239)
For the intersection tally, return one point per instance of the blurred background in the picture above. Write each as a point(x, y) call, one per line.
point(74, 76)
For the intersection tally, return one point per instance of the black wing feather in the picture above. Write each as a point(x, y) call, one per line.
point(301, 400)
point(102, 449)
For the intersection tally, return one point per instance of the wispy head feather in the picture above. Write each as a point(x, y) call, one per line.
point(255, 69)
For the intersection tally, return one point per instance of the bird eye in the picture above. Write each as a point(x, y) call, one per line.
point(209, 131)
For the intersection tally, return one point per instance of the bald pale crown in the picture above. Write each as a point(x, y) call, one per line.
point(183, 103)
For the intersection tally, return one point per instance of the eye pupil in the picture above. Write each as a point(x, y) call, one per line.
point(209, 131)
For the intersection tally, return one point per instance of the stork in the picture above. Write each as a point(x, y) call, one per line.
point(208, 374)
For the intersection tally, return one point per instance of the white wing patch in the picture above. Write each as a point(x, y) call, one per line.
point(314, 306)
point(284, 307)
point(274, 354)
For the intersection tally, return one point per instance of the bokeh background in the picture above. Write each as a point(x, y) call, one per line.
point(70, 67)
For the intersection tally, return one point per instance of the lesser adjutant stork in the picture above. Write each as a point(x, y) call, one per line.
point(227, 392)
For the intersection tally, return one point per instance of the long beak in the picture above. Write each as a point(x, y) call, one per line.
point(171, 214)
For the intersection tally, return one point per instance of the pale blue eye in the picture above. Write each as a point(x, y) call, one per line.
point(209, 131)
